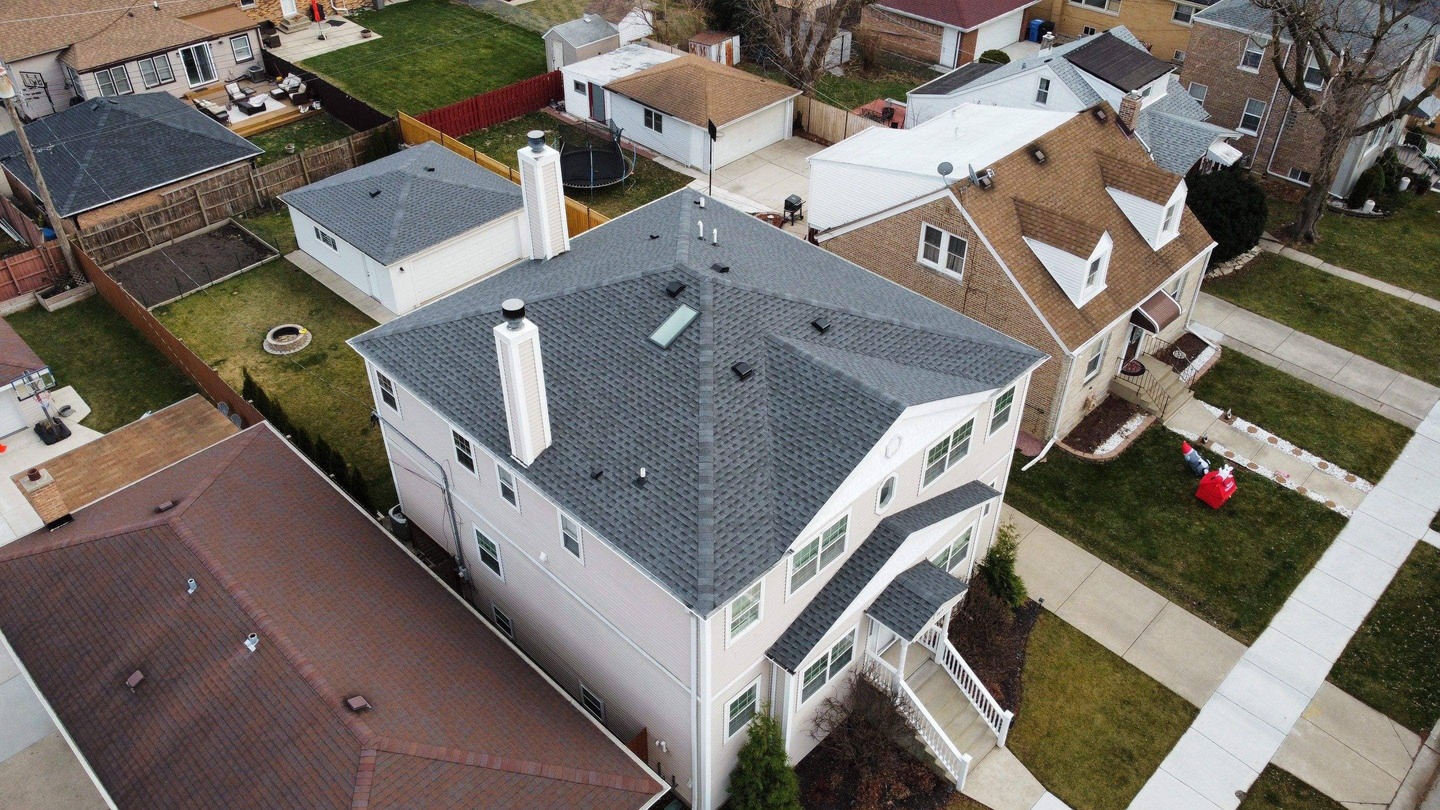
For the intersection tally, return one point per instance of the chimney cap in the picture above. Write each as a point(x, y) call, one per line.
point(513, 309)
point(537, 140)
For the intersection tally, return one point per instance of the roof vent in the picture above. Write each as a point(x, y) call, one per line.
point(252, 641)
point(358, 703)
point(654, 236)
point(375, 193)
point(1100, 115)
point(1037, 153)
point(720, 268)
point(821, 324)
point(191, 586)
point(165, 507)
point(641, 478)
point(743, 370)
point(429, 168)
point(597, 472)
point(674, 288)
point(134, 680)
point(514, 311)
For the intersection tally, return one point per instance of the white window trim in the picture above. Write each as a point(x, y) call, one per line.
point(752, 686)
point(653, 116)
point(820, 565)
point(209, 56)
point(501, 472)
point(950, 434)
point(474, 468)
point(579, 552)
point(584, 692)
point(507, 626)
point(1178, 288)
point(1313, 62)
point(828, 657)
point(249, 48)
point(1108, 7)
point(950, 563)
point(1259, 117)
point(1245, 51)
point(154, 62)
point(1088, 30)
point(893, 480)
point(730, 636)
point(1186, 22)
point(1097, 357)
point(945, 237)
point(991, 427)
point(1042, 91)
point(109, 74)
point(480, 557)
point(385, 385)
point(1204, 91)
point(1290, 175)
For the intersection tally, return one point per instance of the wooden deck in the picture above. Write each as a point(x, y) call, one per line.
point(287, 113)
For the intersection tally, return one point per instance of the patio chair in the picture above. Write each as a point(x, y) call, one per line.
point(213, 110)
point(235, 93)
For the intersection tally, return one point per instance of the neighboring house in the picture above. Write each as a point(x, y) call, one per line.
point(411, 226)
point(22, 372)
point(1230, 71)
point(568, 43)
point(633, 18)
point(115, 155)
point(947, 33)
point(83, 49)
point(1055, 228)
point(1105, 67)
point(699, 476)
point(1163, 25)
point(663, 102)
point(231, 631)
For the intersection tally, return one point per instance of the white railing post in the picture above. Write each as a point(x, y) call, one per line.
point(1005, 727)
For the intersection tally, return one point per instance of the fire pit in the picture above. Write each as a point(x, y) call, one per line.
point(287, 339)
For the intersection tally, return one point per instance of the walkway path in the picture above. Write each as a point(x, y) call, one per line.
point(1242, 725)
point(1272, 246)
point(1380, 389)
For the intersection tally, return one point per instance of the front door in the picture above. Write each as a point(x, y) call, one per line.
point(1132, 342)
point(287, 8)
point(597, 102)
point(949, 47)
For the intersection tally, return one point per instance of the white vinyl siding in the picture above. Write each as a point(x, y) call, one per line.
point(815, 555)
point(827, 666)
point(740, 709)
point(947, 452)
point(745, 611)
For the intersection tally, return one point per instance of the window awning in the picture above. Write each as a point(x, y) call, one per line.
point(1158, 312)
point(1223, 153)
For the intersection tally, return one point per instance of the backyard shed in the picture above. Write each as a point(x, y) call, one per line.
point(717, 46)
point(412, 226)
point(570, 42)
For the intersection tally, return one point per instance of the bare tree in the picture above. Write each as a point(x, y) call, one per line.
point(1348, 63)
point(799, 32)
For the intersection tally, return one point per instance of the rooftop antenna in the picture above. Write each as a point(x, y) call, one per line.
point(983, 179)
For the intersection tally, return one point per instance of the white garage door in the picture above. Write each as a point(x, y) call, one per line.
point(11, 419)
point(996, 34)
point(740, 138)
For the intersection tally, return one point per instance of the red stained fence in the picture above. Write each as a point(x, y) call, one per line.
point(496, 106)
point(28, 230)
point(33, 270)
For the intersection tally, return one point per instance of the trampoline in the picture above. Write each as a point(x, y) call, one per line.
point(600, 162)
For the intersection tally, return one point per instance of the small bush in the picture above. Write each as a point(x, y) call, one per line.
point(1231, 206)
point(763, 778)
point(1421, 185)
point(865, 48)
point(994, 57)
point(1370, 185)
point(998, 568)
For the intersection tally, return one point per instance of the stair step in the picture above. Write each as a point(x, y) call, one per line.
point(960, 726)
point(290, 25)
point(974, 738)
point(938, 692)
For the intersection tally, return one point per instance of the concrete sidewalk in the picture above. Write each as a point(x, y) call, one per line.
point(1383, 390)
point(1244, 723)
point(1272, 246)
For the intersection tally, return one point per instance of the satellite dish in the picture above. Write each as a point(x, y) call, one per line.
point(945, 169)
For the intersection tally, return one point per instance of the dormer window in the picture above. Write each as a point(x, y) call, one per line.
point(1096, 273)
point(1042, 93)
point(1172, 219)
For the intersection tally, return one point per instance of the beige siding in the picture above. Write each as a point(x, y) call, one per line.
point(39, 102)
point(221, 53)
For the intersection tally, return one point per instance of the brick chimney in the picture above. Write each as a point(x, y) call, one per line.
point(44, 495)
point(1129, 111)
point(544, 195)
point(522, 380)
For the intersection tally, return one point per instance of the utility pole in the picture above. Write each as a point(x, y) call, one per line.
point(7, 92)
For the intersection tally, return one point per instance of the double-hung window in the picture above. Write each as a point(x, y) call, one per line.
point(1103, 5)
point(948, 452)
point(1176, 288)
point(387, 392)
point(1250, 119)
point(1252, 57)
point(1314, 79)
point(464, 453)
point(502, 621)
point(1172, 218)
point(507, 485)
point(1097, 358)
point(745, 610)
point(654, 120)
point(489, 552)
point(956, 552)
point(240, 47)
point(942, 250)
point(1000, 414)
point(741, 708)
point(156, 71)
point(1199, 91)
point(827, 666)
point(1042, 92)
point(114, 81)
point(570, 535)
point(818, 553)
point(1183, 14)
point(1095, 271)
point(1299, 175)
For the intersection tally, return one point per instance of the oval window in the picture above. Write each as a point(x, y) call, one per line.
point(887, 493)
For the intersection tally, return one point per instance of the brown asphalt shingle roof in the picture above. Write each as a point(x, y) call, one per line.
point(1071, 182)
point(695, 89)
point(102, 32)
point(1055, 229)
point(1145, 180)
point(16, 357)
point(458, 719)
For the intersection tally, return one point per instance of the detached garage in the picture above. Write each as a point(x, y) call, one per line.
point(410, 227)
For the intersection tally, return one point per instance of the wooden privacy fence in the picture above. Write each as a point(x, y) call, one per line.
point(826, 123)
point(496, 106)
point(31, 271)
point(226, 194)
point(578, 216)
point(21, 224)
point(179, 355)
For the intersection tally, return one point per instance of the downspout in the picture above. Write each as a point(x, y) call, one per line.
point(695, 714)
point(386, 430)
point(1059, 409)
point(1270, 111)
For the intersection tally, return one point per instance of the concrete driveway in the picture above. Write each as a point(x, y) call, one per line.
point(770, 175)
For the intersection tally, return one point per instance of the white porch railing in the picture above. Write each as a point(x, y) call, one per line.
point(955, 763)
point(949, 659)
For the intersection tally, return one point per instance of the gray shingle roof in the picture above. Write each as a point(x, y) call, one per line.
point(818, 617)
point(580, 32)
point(1117, 63)
point(912, 599)
point(956, 79)
point(735, 469)
point(427, 194)
point(109, 149)
point(1175, 128)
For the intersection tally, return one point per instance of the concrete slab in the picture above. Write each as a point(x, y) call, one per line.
point(1262, 333)
point(1243, 444)
point(1320, 357)
point(738, 168)
point(47, 776)
point(1207, 768)
point(1333, 768)
point(1263, 695)
point(1273, 458)
point(1433, 538)
point(1288, 660)
point(1245, 736)
point(1379, 739)
point(1334, 598)
point(1319, 633)
point(1001, 782)
point(1213, 311)
point(1050, 802)
point(1185, 654)
point(1403, 514)
point(1024, 524)
point(1421, 778)
point(1421, 451)
point(1334, 489)
point(23, 719)
point(1379, 538)
point(1112, 608)
point(1194, 418)
point(1412, 395)
point(1366, 376)
point(1355, 567)
point(1419, 486)
point(1165, 792)
point(1053, 567)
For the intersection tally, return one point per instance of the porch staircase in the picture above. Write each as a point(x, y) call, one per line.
point(1159, 390)
point(293, 23)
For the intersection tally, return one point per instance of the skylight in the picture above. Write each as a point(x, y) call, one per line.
point(673, 326)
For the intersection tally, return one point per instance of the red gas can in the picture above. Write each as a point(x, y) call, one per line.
point(1216, 487)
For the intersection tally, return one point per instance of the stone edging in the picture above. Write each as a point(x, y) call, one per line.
point(1146, 420)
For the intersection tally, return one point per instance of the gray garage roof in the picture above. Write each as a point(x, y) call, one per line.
point(109, 149)
point(736, 468)
point(585, 30)
point(407, 202)
point(818, 617)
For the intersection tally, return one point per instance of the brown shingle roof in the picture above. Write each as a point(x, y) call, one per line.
point(16, 357)
point(1055, 229)
point(966, 14)
point(1145, 180)
point(101, 32)
point(1070, 181)
point(458, 717)
point(695, 89)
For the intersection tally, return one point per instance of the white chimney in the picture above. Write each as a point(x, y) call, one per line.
point(544, 195)
point(522, 378)
point(1047, 42)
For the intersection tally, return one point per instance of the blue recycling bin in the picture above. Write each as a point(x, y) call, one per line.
point(1033, 34)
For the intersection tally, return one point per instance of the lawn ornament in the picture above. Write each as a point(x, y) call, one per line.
point(1198, 464)
point(1217, 487)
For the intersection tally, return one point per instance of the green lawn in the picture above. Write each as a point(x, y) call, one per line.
point(322, 388)
point(88, 345)
point(1092, 727)
point(893, 79)
point(1393, 662)
point(1279, 790)
point(273, 227)
point(1233, 566)
point(651, 181)
point(431, 53)
point(316, 130)
point(1337, 430)
point(1368, 322)
point(1400, 249)
point(557, 11)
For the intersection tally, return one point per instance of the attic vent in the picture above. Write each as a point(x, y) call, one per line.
point(596, 473)
point(134, 680)
point(165, 507)
point(429, 168)
point(375, 193)
point(1099, 113)
point(742, 370)
point(1037, 153)
point(821, 324)
point(357, 703)
point(654, 236)
point(674, 288)
point(720, 268)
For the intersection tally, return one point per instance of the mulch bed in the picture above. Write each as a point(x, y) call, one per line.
point(177, 270)
point(1188, 343)
point(1101, 423)
point(1000, 662)
point(827, 784)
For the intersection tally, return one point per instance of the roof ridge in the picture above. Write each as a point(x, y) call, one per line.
point(801, 349)
point(705, 422)
point(495, 762)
